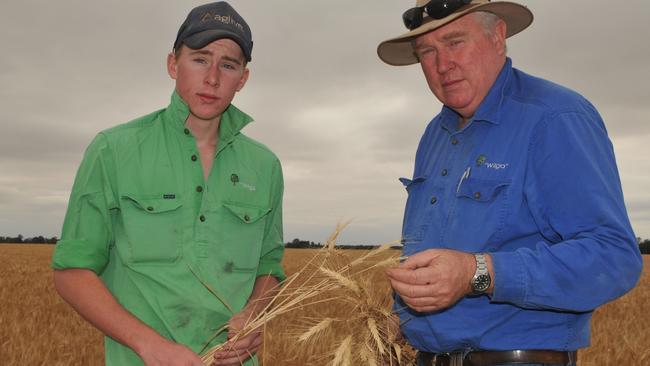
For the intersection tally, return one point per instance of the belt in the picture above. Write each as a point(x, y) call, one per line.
point(490, 358)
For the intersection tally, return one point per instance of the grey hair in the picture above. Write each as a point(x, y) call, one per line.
point(487, 20)
point(489, 23)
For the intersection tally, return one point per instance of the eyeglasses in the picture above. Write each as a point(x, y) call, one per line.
point(437, 9)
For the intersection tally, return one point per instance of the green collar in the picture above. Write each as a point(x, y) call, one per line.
point(232, 119)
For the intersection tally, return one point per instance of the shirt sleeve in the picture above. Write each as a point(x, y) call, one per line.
point(87, 232)
point(590, 255)
point(273, 244)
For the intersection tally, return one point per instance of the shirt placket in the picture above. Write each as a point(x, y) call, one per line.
point(200, 197)
point(459, 146)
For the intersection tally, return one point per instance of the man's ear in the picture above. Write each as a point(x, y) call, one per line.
point(171, 65)
point(499, 36)
point(244, 78)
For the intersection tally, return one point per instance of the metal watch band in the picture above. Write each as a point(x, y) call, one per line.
point(481, 280)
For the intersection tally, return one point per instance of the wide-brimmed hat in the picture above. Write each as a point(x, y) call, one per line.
point(399, 51)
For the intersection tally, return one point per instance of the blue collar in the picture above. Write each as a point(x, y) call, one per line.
point(490, 108)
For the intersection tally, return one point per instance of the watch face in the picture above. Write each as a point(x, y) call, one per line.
point(481, 283)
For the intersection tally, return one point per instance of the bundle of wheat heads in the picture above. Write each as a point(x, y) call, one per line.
point(335, 310)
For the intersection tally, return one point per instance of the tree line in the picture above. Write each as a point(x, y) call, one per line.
point(306, 244)
point(644, 245)
point(40, 239)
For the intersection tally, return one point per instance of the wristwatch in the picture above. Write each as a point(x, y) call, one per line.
point(481, 280)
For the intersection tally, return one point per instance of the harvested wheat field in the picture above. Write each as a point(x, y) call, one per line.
point(37, 328)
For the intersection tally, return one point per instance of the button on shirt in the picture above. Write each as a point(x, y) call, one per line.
point(532, 180)
point(142, 217)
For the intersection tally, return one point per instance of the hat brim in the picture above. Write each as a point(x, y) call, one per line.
point(399, 51)
point(202, 39)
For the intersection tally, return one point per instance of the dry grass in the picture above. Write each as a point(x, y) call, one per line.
point(332, 288)
point(37, 328)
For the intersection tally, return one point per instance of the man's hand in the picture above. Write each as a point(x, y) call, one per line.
point(434, 279)
point(168, 353)
point(235, 352)
point(88, 295)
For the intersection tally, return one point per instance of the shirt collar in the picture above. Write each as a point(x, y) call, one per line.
point(232, 119)
point(490, 108)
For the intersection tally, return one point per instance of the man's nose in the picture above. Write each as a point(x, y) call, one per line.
point(212, 78)
point(444, 61)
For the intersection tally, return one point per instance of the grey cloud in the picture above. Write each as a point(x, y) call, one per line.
point(344, 124)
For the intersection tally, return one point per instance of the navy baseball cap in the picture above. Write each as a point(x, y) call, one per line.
point(210, 22)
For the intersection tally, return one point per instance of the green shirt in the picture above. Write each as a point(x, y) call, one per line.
point(142, 217)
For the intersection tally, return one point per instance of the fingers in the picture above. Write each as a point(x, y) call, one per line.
point(231, 361)
point(422, 259)
point(235, 353)
point(406, 289)
point(419, 276)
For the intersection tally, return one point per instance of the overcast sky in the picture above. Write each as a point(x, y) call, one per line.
point(344, 124)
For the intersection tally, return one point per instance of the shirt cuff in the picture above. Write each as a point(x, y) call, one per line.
point(78, 253)
point(271, 269)
point(509, 278)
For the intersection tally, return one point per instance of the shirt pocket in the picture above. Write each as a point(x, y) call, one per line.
point(244, 233)
point(481, 190)
point(153, 228)
point(482, 208)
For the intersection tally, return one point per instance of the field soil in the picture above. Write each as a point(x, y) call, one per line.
point(38, 328)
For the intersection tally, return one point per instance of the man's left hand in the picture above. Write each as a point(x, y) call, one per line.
point(434, 279)
point(235, 352)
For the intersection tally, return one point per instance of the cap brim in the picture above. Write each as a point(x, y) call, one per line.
point(399, 51)
point(202, 39)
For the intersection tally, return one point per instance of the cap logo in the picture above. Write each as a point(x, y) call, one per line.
point(226, 19)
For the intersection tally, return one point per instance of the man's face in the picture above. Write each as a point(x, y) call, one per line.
point(461, 62)
point(208, 78)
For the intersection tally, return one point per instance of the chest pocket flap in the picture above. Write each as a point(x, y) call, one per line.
point(481, 190)
point(154, 205)
point(409, 184)
point(152, 229)
point(247, 213)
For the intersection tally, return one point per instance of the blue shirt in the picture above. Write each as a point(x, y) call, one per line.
point(532, 180)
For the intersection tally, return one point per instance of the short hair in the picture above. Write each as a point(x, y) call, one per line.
point(489, 23)
point(487, 20)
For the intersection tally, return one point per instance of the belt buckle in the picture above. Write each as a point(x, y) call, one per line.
point(452, 358)
point(456, 358)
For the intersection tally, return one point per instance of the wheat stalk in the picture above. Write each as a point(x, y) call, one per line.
point(316, 329)
point(372, 326)
point(343, 356)
point(341, 279)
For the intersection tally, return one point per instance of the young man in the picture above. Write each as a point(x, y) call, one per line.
point(515, 226)
point(173, 203)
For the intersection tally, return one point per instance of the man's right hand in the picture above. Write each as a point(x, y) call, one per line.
point(167, 353)
point(88, 295)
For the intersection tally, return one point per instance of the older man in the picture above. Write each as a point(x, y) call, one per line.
point(174, 205)
point(515, 227)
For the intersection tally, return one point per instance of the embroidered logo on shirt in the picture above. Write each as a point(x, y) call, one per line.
point(250, 187)
point(497, 166)
point(169, 196)
point(234, 178)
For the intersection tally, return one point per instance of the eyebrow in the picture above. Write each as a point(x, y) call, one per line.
point(201, 52)
point(445, 38)
point(209, 53)
point(232, 59)
point(452, 35)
